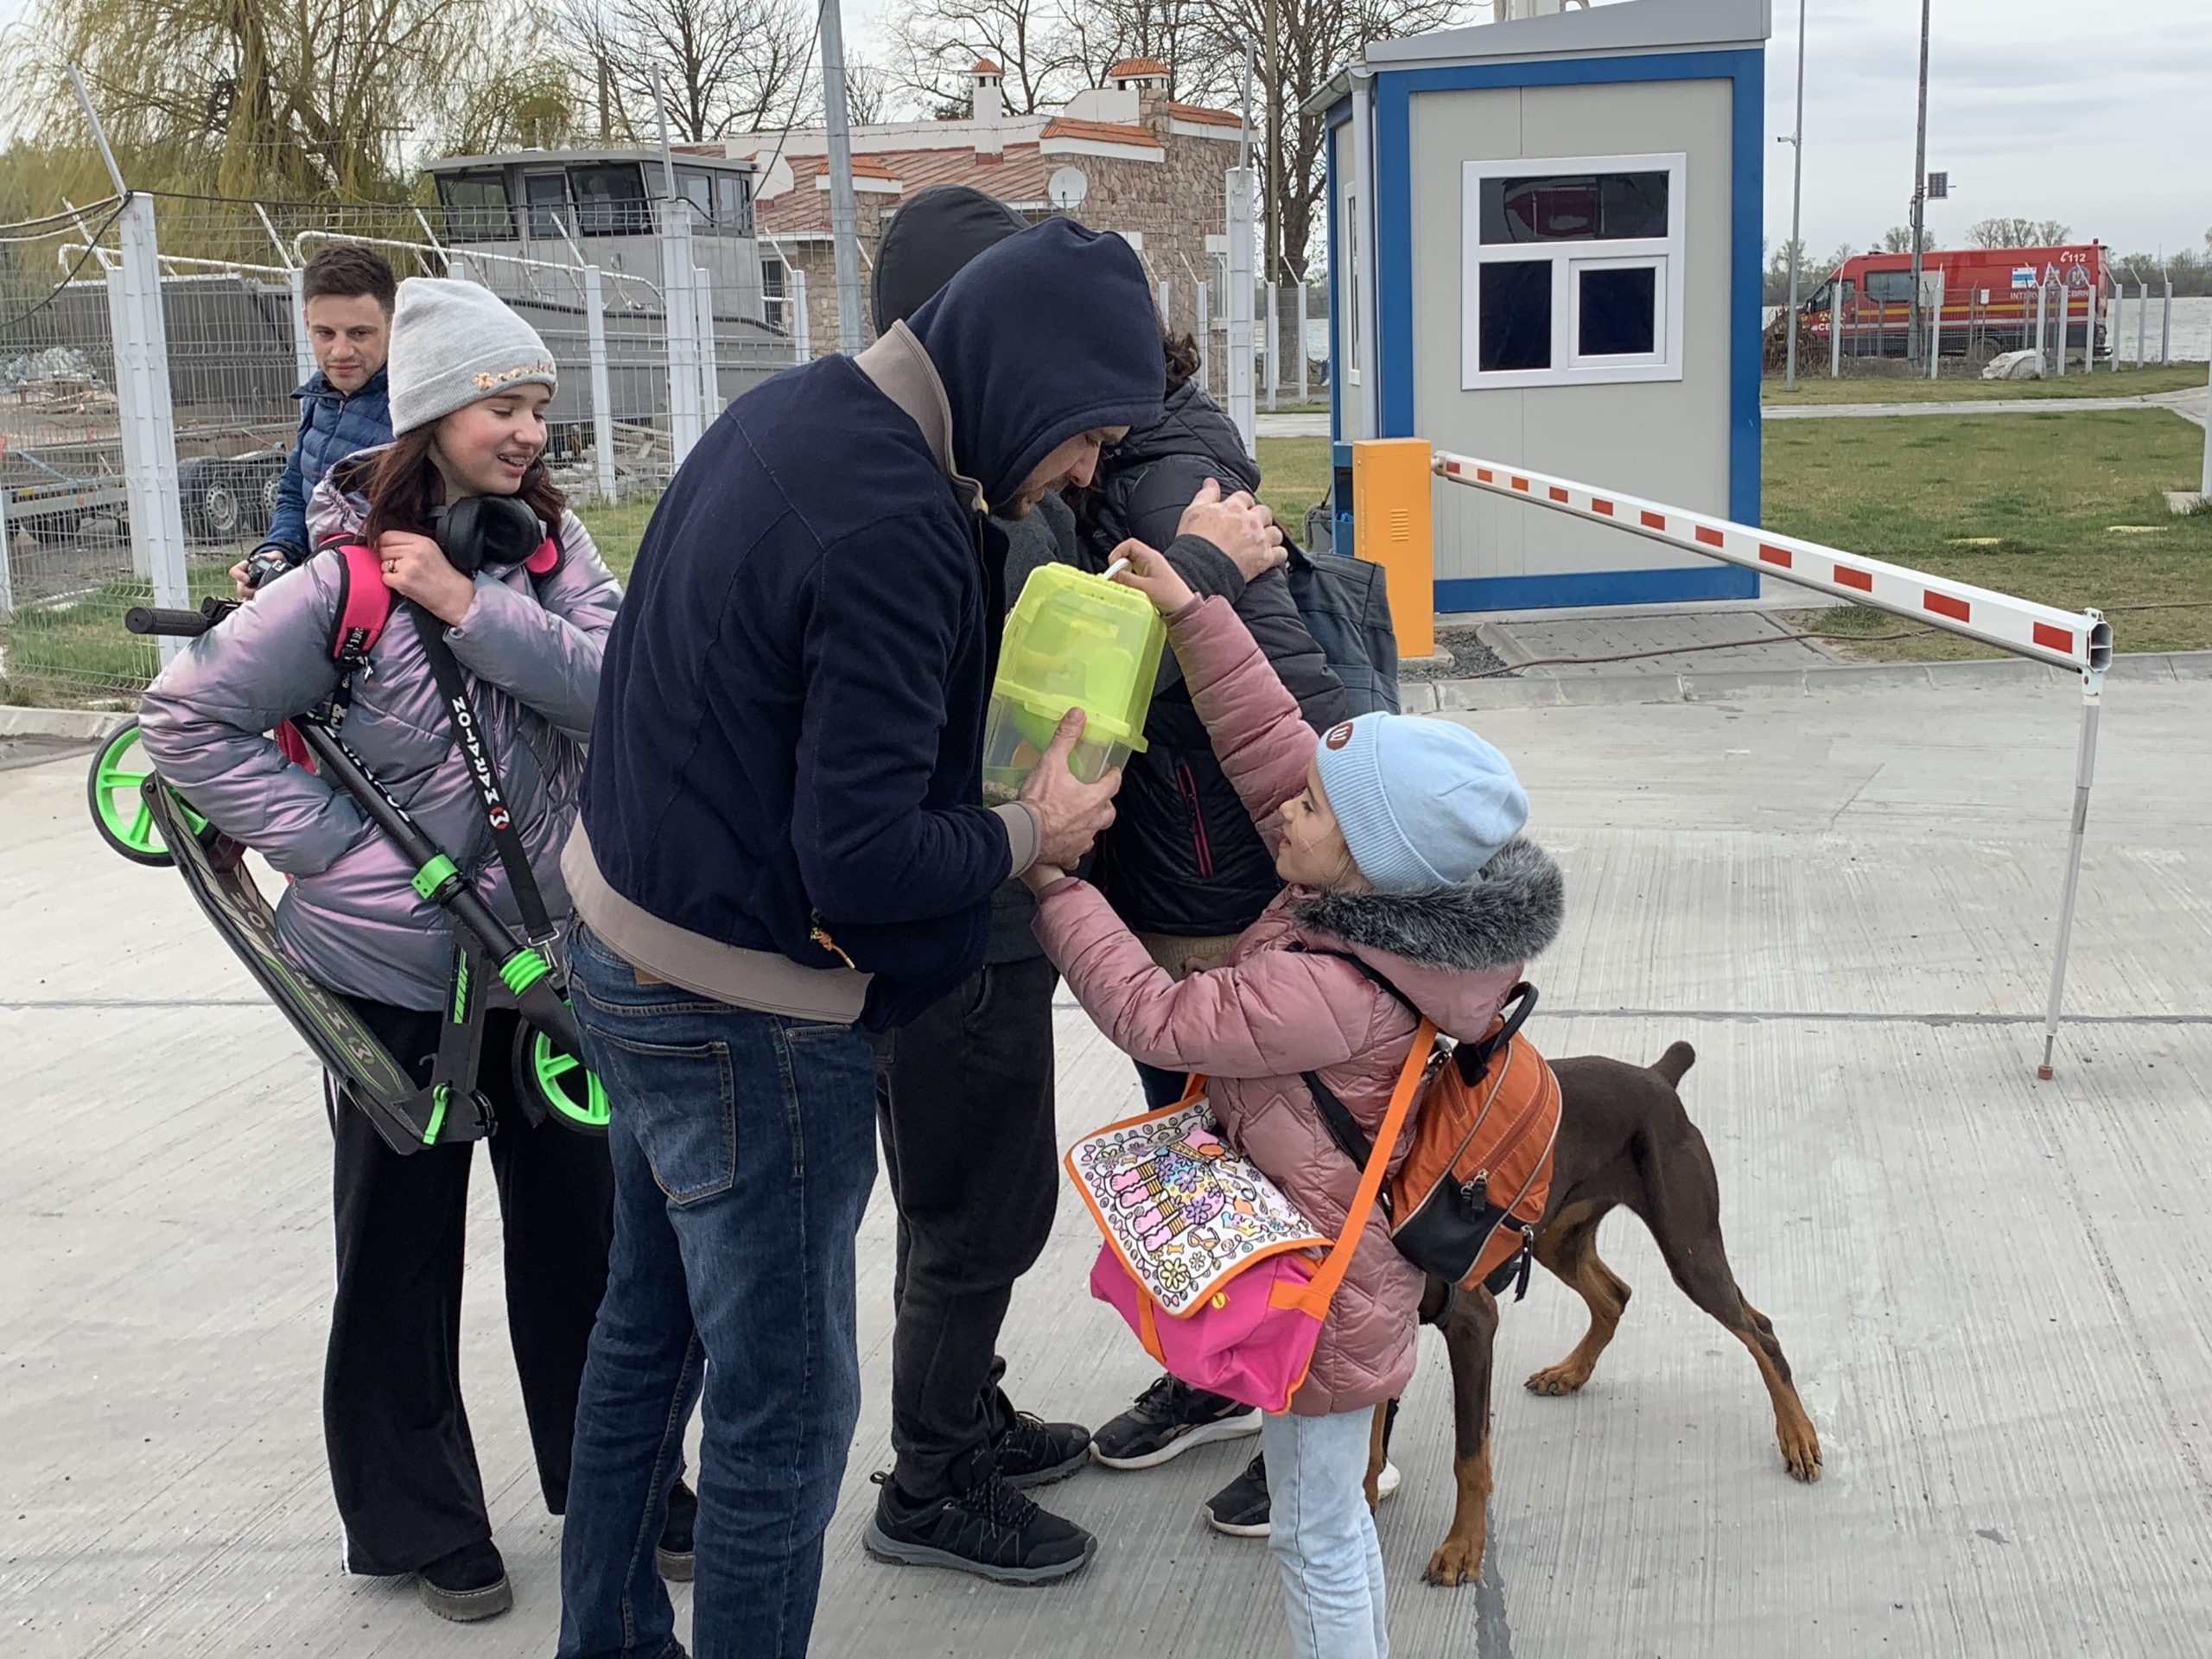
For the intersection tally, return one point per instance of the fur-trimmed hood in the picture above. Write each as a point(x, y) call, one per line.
point(1427, 942)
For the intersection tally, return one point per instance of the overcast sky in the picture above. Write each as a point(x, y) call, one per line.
point(2045, 109)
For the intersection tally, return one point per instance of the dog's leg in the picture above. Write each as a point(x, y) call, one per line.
point(1683, 1211)
point(1469, 1324)
point(1568, 1247)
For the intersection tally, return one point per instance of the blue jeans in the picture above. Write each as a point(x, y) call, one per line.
point(1321, 1535)
point(744, 1147)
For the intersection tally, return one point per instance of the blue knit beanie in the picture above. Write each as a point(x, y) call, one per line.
point(1422, 802)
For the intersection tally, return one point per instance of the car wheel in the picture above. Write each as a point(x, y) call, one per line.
point(213, 507)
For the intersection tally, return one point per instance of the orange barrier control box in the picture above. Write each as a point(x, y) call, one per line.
point(1392, 526)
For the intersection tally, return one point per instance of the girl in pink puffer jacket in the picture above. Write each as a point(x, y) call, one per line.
point(1398, 838)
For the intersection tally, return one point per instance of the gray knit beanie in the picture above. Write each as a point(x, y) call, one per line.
point(454, 343)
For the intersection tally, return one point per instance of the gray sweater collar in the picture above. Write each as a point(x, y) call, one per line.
point(903, 372)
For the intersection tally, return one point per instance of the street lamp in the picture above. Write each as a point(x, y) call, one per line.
point(1796, 143)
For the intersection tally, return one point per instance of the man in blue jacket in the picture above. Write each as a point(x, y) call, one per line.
point(781, 851)
point(346, 294)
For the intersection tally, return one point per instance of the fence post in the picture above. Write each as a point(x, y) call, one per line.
point(302, 343)
point(2204, 481)
point(1275, 342)
point(710, 374)
point(2166, 327)
point(1303, 389)
point(142, 387)
point(7, 557)
point(2043, 317)
point(602, 411)
point(2142, 318)
point(680, 313)
point(1934, 328)
point(2065, 304)
point(1206, 338)
point(1835, 328)
point(804, 331)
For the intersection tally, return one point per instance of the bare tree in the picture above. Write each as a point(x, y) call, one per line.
point(727, 67)
point(1898, 239)
point(2018, 233)
point(868, 93)
point(938, 41)
point(1315, 38)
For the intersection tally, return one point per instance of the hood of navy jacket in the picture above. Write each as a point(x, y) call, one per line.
point(1040, 338)
point(929, 241)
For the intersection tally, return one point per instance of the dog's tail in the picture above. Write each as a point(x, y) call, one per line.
point(1675, 1062)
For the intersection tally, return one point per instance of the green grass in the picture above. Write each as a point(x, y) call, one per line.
point(2024, 504)
point(78, 651)
point(1964, 387)
point(2049, 488)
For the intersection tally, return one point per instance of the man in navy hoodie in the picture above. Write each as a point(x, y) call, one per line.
point(781, 851)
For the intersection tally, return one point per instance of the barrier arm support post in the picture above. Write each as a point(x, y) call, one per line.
point(2085, 773)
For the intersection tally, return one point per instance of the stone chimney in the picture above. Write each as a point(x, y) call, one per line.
point(1147, 78)
point(989, 83)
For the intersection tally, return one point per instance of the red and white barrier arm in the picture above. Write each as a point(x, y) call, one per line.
point(2077, 640)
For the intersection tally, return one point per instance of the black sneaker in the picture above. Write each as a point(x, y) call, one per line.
point(673, 1555)
point(1168, 1419)
point(985, 1527)
point(1240, 1508)
point(468, 1584)
point(1031, 1452)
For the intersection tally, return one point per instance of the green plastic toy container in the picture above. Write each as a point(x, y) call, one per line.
point(1074, 641)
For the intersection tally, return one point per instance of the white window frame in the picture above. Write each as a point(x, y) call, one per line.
point(1568, 367)
point(1350, 332)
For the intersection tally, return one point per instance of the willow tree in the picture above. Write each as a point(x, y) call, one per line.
point(292, 99)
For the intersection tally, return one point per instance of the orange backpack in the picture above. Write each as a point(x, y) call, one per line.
point(1465, 1200)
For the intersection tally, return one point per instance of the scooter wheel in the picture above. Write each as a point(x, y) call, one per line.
point(116, 788)
point(570, 1093)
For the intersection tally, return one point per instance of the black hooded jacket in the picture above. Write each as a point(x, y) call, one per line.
point(787, 747)
point(1182, 857)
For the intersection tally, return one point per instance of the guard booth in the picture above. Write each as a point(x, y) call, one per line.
point(1544, 250)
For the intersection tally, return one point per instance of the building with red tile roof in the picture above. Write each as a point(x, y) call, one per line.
point(1142, 165)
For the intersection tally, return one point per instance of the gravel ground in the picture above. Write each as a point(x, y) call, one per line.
point(1460, 655)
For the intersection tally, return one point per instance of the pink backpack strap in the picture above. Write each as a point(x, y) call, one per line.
point(363, 604)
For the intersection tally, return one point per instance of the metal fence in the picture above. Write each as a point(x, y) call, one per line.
point(149, 347)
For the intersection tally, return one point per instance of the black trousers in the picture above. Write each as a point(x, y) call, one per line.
point(965, 1108)
point(401, 1461)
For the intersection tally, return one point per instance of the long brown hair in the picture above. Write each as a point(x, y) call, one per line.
point(404, 486)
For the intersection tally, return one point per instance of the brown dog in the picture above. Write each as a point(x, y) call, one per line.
point(1624, 1139)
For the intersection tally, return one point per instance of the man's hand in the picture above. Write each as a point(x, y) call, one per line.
point(237, 574)
point(415, 568)
point(1245, 532)
point(1071, 814)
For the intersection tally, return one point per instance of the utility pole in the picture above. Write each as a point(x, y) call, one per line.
point(1797, 204)
point(1275, 259)
point(1919, 188)
point(844, 230)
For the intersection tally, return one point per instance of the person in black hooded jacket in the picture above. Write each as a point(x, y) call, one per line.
point(1182, 864)
point(781, 849)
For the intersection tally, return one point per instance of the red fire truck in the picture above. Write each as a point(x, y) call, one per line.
point(1989, 298)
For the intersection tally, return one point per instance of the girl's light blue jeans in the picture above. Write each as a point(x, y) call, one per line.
point(1322, 1536)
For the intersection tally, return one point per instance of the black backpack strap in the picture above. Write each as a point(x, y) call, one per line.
point(1473, 1058)
point(1342, 1128)
point(475, 747)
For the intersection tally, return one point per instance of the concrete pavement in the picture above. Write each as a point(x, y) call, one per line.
point(1992, 1290)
